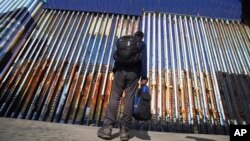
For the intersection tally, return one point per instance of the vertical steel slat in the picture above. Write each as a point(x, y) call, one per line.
point(244, 94)
point(22, 42)
point(5, 5)
point(35, 102)
point(243, 68)
point(223, 87)
point(247, 30)
point(66, 85)
point(178, 82)
point(81, 106)
point(8, 17)
point(199, 50)
point(129, 29)
point(159, 91)
point(21, 62)
point(99, 74)
point(96, 93)
point(8, 30)
point(238, 63)
point(181, 72)
point(189, 110)
point(217, 66)
point(217, 46)
point(212, 70)
point(103, 101)
point(153, 84)
point(29, 60)
point(191, 57)
point(148, 38)
point(46, 79)
point(148, 43)
point(208, 86)
point(217, 94)
point(125, 26)
point(229, 69)
point(236, 118)
point(166, 72)
point(228, 48)
point(213, 38)
point(238, 47)
point(92, 94)
point(56, 71)
point(85, 79)
point(30, 92)
point(199, 93)
point(10, 8)
point(245, 38)
point(57, 92)
point(135, 26)
point(29, 71)
point(201, 96)
point(235, 64)
point(19, 32)
point(242, 46)
point(176, 115)
point(24, 68)
point(144, 24)
point(17, 64)
point(82, 111)
point(80, 61)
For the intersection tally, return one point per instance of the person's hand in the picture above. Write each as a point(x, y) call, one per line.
point(144, 81)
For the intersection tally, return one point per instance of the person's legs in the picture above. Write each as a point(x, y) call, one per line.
point(126, 120)
point(111, 112)
point(116, 93)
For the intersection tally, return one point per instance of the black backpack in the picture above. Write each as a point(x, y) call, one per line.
point(128, 50)
point(142, 107)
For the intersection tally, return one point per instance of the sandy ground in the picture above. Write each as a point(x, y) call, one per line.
point(27, 130)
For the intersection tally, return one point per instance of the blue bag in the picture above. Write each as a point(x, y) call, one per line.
point(142, 107)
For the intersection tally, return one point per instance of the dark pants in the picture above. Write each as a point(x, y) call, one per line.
point(124, 79)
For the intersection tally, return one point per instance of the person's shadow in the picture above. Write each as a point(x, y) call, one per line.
point(115, 135)
point(198, 139)
point(143, 135)
point(141, 132)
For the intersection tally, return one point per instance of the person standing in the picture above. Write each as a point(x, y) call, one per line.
point(130, 67)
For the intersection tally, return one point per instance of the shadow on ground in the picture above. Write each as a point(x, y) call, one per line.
point(143, 135)
point(198, 139)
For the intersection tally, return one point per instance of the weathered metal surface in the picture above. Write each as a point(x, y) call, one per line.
point(198, 69)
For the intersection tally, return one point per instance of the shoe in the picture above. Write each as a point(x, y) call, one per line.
point(105, 132)
point(124, 136)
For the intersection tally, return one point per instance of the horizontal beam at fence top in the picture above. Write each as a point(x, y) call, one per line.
point(213, 8)
point(186, 15)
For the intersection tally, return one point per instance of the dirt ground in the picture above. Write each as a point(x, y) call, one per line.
point(27, 130)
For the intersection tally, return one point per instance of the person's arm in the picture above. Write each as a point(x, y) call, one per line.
point(144, 78)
